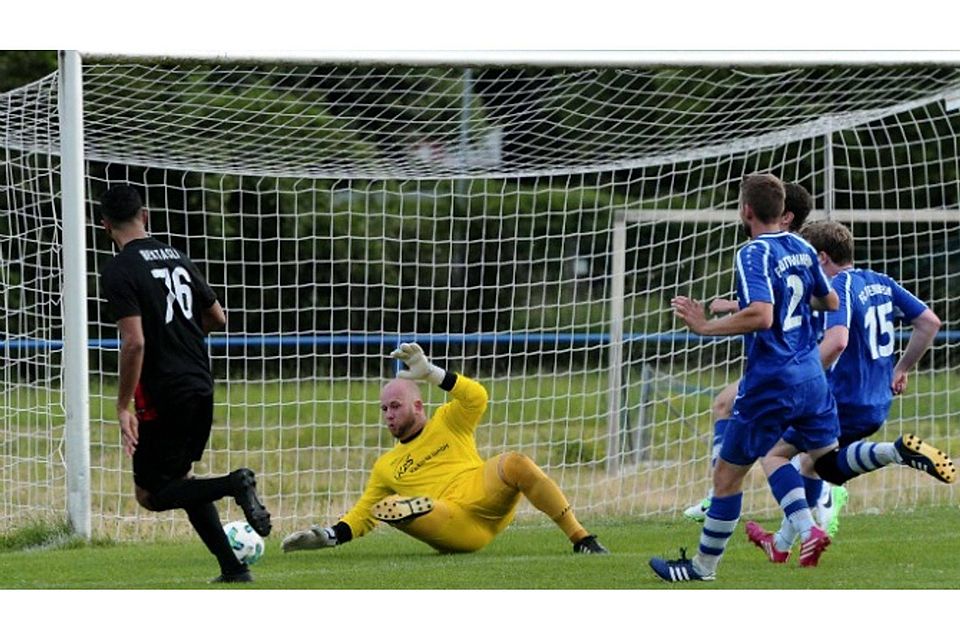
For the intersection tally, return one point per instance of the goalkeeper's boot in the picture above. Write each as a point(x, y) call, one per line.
point(813, 547)
point(243, 576)
point(697, 512)
point(764, 540)
point(590, 544)
point(918, 454)
point(829, 509)
point(245, 493)
point(681, 570)
point(398, 509)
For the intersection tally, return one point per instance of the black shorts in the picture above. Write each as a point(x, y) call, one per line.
point(172, 442)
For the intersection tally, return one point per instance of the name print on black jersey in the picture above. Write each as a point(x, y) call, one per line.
point(153, 255)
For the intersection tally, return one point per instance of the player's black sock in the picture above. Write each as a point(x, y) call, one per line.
point(828, 468)
point(185, 493)
point(206, 522)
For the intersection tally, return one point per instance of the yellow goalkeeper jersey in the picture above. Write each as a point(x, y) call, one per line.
point(430, 463)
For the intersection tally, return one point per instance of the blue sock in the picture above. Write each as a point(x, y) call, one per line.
point(813, 487)
point(787, 487)
point(719, 525)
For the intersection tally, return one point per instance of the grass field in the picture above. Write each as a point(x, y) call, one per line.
point(919, 550)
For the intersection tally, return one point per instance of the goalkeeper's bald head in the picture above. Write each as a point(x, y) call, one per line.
point(401, 406)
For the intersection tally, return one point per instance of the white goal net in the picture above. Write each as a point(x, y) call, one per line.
point(527, 225)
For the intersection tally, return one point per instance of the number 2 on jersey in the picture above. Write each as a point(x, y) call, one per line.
point(178, 290)
point(795, 284)
point(877, 321)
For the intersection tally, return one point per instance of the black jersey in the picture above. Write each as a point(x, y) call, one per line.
point(161, 285)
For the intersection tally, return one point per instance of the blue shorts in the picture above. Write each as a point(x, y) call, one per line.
point(850, 433)
point(760, 417)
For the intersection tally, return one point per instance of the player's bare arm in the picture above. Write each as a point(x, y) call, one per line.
point(829, 302)
point(131, 363)
point(756, 317)
point(723, 305)
point(213, 318)
point(831, 347)
point(925, 328)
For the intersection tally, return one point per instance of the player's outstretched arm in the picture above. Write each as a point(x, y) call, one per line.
point(418, 366)
point(756, 317)
point(925, 328)
point(723, 305)
point(317, 537)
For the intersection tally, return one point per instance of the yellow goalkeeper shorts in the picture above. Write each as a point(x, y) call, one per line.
point(469, 514)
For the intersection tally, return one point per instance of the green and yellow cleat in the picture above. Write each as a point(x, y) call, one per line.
point(697, 512)
point(839, 497)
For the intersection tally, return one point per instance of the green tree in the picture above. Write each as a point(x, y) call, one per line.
point(18, 68)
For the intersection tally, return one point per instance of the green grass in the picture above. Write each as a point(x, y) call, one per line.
point(918, 550)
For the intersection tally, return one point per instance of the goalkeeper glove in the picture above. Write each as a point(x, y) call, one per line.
point(418, 367)
point(313, 538)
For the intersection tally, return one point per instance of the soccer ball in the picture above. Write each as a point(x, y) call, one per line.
point(246, 543)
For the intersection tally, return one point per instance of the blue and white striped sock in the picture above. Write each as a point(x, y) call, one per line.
point(719, 525)
point(863, 457)
point(787, 486)
point(787, 535)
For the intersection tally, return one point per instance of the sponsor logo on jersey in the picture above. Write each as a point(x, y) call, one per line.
point(408, 465)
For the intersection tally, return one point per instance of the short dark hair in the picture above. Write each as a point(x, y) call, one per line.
point(799, 202)
point(120, 203)
point(832, 238)
point(764, 193)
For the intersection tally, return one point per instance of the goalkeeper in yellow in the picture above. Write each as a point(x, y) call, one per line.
point(433, 485)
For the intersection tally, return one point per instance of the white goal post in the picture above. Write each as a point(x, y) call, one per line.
point(526, 217)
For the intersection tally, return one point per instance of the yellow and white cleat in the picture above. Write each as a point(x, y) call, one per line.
point(918, 454)
point(398, 509)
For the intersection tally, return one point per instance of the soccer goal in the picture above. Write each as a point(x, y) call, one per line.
point(526, 222)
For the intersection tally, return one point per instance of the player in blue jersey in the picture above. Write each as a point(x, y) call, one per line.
point(779, 284)
point(858, 350)
point(797, 206)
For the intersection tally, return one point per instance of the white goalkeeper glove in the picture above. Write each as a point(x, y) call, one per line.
point(418, 367)
point(313, 538)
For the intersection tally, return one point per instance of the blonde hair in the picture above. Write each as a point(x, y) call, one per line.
point(832, 238)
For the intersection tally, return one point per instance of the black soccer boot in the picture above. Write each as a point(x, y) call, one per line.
point(245, 493)
point(590, 544)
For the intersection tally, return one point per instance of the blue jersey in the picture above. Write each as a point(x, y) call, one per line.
point(782, 269)
point(861, 377)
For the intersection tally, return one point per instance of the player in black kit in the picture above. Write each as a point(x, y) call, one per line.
point(164, 307)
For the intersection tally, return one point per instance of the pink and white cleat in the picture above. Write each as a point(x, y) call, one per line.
point(764, 540)
point(814, 546)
